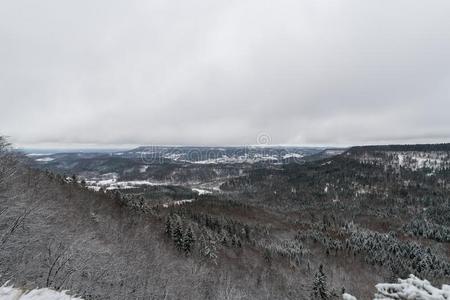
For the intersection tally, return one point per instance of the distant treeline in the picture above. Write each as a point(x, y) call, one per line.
point(415, 147)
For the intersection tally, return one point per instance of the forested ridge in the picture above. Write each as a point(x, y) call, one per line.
point(296, 231)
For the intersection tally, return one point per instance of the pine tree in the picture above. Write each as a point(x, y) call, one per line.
point(177, 232)
point(224, 237)
point(188, 240)
point(319, 289)
point(168, 226)
point(208, 246)
point(235, 242)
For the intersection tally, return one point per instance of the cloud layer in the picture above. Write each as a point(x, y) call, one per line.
point(222, 72)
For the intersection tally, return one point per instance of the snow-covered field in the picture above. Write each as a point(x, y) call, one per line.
point(45, 159)
point(179, 202)
point(110, 181)
point(237, 160)
point(143, 168)
point(201, 191)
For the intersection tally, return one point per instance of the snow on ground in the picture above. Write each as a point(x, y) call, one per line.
point(143, 168)
point(94, 188)
point(130, 184)
point(201, 191)
point(179, 202)
point(114, 185)
point(12, 293)
point(413, 160)
point(251, 159)
point(173, 156)
point(346, 296)
point(292, 155)
point(39, 154)
point(334, 151)
point(109, 182)
point(419, 160)
point(45, 159)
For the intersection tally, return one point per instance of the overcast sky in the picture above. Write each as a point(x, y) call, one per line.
point(224, 72)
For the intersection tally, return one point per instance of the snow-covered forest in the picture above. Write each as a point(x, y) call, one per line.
point(327, 228)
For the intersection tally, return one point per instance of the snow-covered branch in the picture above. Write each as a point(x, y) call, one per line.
point(9, 292)
point(411, 288)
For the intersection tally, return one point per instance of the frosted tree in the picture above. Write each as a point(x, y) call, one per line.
point(177, 232)
point(319, 289)
point(168, 226)
point(9, 292)
point(188, 240)
point(411, 288)
point(208, 246)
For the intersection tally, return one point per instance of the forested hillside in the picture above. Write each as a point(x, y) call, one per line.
point(295, 231)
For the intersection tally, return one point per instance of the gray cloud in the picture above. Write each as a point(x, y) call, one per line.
point(208, 72)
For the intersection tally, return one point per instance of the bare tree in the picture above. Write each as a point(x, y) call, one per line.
point(17, 222)
point(62, 263)
point(8, 162)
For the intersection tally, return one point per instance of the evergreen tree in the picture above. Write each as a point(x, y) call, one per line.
point(319, 289)
point(208, 246)
point(224, 237)
point(177, 233)
point(235, 241)
point(168, 226)
point(188, 240)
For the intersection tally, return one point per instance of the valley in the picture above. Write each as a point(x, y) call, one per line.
point(173, 172)
point(337, 221)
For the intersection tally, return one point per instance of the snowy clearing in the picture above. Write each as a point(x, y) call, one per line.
point(179, 202)
point(45, 159)
point(109, 182)
point(201, 191)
